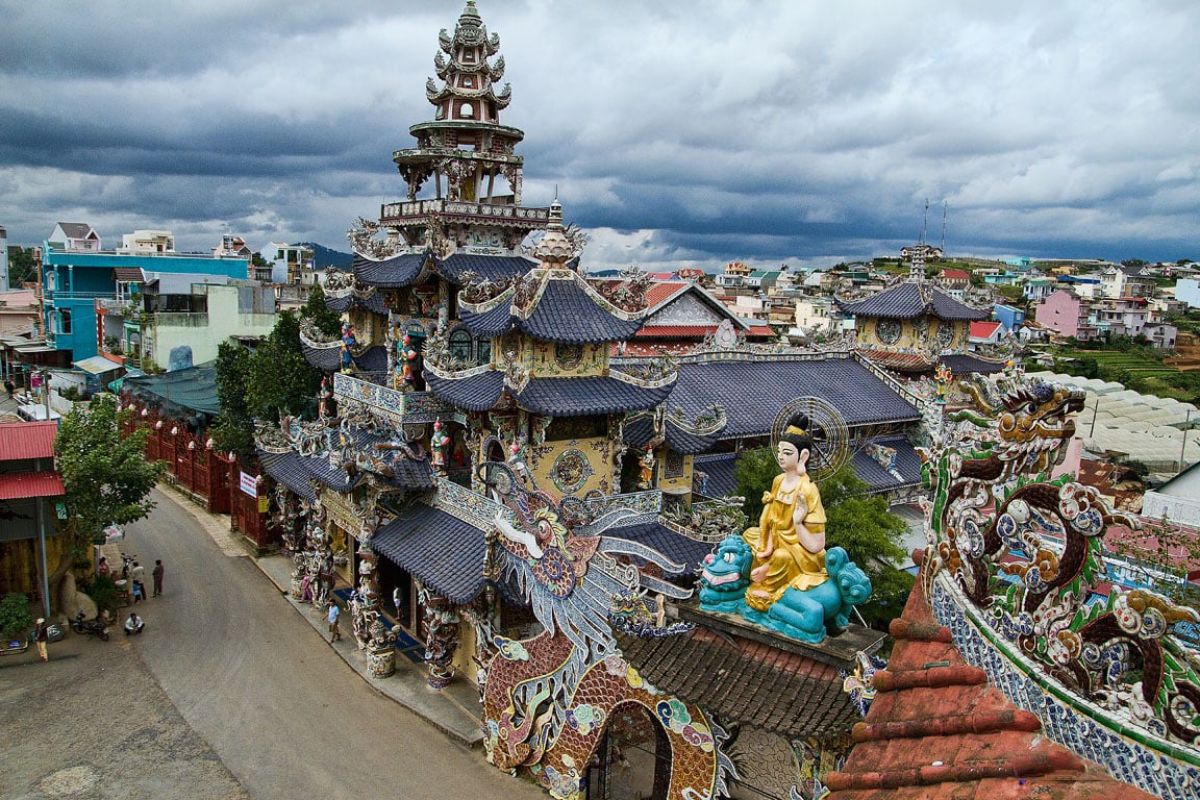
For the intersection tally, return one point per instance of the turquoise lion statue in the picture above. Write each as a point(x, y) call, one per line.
point(725, 575)
point(808, 615)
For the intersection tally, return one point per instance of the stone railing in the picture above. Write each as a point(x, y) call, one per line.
point(637, 502)
point(419, 208)
point(369, 390)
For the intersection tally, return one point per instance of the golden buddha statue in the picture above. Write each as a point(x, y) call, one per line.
point(789, 541)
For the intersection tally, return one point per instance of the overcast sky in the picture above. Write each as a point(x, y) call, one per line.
point(685, 133)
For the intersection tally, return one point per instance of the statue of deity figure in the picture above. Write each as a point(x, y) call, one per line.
point(788, 544)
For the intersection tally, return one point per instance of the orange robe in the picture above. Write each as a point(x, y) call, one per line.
point(790, 565)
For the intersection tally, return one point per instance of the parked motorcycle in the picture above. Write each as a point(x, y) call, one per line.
point(92, 627)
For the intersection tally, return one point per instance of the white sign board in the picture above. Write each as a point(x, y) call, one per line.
point(248, 484)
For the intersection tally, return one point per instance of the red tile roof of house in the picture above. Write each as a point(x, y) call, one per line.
point(983, 329)
point(661, 290)
point(673, 331)
point(937, 731)
point(956, 275)
point(20, 485)
point(23, 440)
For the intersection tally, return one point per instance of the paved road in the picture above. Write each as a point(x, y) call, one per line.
point(94, 724)
point(287, 716)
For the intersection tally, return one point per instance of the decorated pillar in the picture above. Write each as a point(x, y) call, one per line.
point(441, 637)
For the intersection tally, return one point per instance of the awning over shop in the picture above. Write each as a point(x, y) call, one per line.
point(443, 552)
point(23, 485)
point(182, 392)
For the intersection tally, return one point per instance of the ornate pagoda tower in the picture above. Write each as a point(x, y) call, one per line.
point(463, 177)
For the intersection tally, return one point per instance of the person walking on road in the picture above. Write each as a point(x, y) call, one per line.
point(10, 387)
point(41, 635)
point(137, 576)
point(157, 574)
point(332, 618)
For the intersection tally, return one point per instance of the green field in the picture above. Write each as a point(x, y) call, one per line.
point(1140, 369)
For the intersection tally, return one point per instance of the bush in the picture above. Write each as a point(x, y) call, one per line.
point(103, 591)
point(15, 618)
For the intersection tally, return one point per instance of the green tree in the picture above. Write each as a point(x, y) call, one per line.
point(328, 321)
point(105, 473)
point(234, 430)
point(21, 266)
point(859, 522)
point(281, 381)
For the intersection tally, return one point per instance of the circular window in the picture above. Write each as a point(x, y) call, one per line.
point(945, 333)
point(888, 330)
point(568, 356)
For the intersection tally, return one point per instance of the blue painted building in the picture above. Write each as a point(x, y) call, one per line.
point(74, 280)
point(1008, 316)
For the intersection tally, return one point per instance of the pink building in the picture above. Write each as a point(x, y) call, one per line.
point(1065, 314)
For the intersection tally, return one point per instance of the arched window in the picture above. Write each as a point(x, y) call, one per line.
point(460, 345)
point(483, 349)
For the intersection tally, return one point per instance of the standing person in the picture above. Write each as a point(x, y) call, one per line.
point(138, 576)
point(10, 387)
point(332, 617)
point(157, 574)
point(41, 635)
point(103, 568)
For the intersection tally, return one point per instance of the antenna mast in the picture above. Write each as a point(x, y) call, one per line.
point(925, 224)
point(945, 213)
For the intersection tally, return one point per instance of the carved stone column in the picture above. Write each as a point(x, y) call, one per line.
point(441, 627)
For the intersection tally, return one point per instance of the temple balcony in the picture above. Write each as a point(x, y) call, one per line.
point(372, 390)
point(412, 211)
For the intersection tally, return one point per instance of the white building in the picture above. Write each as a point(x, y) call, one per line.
point(288, 261)
point(147, 241)
point(1177, 500)
point(1187, 290)
point(74, 236)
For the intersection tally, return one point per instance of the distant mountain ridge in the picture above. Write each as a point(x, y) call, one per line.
point(326, 257)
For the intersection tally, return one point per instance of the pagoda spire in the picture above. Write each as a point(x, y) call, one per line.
point(468, 76)
point(464, 174)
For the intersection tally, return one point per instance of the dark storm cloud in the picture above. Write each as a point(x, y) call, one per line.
point(695, 132)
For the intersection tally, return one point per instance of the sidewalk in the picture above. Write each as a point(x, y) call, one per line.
point(455, 710)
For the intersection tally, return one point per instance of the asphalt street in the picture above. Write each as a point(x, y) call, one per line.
point(284, 713)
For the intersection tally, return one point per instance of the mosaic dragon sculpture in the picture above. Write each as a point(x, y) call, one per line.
point(1027, 550)
point(546, 699)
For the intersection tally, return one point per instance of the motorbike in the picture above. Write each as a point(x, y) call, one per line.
point(92, 627)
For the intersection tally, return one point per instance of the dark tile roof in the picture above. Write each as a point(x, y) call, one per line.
point(719, 469)
point(326, 359)
point(476, 393)
point(444, 552)
point(673, 545)
point(946, 307)
point(688, 443)
point(373, 359)
point(576, 397)
point(393, 273)
point(904, 301)
point(745, 681)
point(908, 464)
point(329, 359)
point(752, 392)
point(494, 268)
point(406, 473)
point(373, 303)
point(937, 730)
point(965, 364)
point(567, 313)
point(494, 322)
point(289, 469)
point(638, 432)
